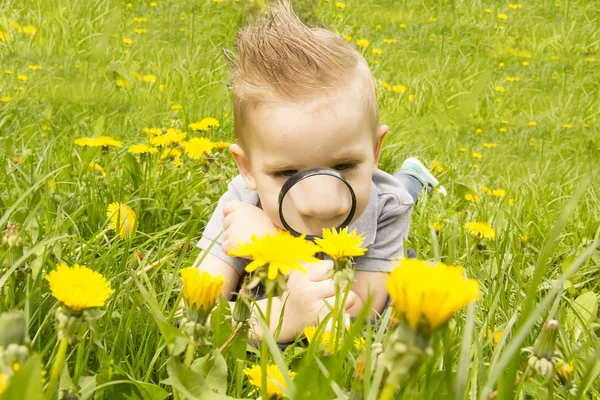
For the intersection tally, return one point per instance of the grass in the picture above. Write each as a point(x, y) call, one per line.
point(458, 65)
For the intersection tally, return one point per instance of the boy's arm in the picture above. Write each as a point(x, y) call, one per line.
point(369, 283)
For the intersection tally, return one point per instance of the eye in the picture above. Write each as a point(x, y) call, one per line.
point(284, 174)
point(345, 167)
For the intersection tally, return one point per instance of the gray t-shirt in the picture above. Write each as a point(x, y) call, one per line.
point(385, 223)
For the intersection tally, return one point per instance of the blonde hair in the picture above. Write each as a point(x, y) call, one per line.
point(279, 58)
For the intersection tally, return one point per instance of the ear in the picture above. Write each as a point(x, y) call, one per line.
point(381, 132)
point(243, 164)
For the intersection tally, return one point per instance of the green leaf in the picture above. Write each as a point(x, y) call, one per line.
point(26, 383)
point(214, 370)
point(120, 387)
point(191, 384)
point(582, 313)
point(220, 323)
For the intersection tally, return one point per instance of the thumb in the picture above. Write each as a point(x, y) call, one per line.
point(351, 300)
point(231, 206)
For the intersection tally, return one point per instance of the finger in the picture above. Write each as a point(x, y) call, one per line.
point(322, 289)
point(318, 271)
point(231, 206)
point(228, 220)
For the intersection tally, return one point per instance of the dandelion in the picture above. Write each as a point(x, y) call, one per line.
point(101, 141)
point(499, 193)
point(474, 198)
point(437, 227)
point(140, 31)
point(142, 149)
point(411, 98)
point(221, 145)
point(399, 88)
point(204, 124)
point(500, 65)
point(3, 379)
point(438, 167)
point(176, 107)
point(432, 19)
point(403, 26)
point(35, 67)
point(389, 41)
point(503, 17)
point(462, 149)
point(201, 291)
point(4, 37)
point(511, 202)
point(477, 156)
point(478, 130)
point(171, 152)
point(564, 370)
point(327, 340)
point(512, 78)
point(29, 30)
point(377, 51)
point(5, 99)
point(280, 251)
point(526, 64)
point(524, 239)
point(275, 380)
point(177, 162)
point(496, 336)
point(196, 147)
point(127, 42)
point(385, 85)
point(426, 297)
point(348, 38)
point(96, 167)
point(340, 5)
point(482, 230)
point(568, 126)
point(489, 145)
point(78, 287)
point(362, 42)
point(340, 244)
point(122, 83)
point(591, 59)
point(149, 78)
point(485, 189)
point(503, 130)
point(488, 10)
point(7, 72)
point(22, 78)
point(531, 124)
point(122, 218)
point(532, 142)
point(515, 6)
point(499, 89)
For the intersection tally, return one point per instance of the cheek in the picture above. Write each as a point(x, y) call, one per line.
point(361, 184)
point(268, 191)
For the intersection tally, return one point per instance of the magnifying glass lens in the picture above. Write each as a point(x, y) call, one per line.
point(315, 202)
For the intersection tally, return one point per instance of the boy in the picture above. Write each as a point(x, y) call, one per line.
point(304, 97)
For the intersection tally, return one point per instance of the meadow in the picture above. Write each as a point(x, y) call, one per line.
point(106, 101)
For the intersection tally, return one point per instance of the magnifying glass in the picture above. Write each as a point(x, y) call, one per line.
point(314, 199)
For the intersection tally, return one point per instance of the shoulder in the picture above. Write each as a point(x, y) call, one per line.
point(237, 190)
point(391, 194)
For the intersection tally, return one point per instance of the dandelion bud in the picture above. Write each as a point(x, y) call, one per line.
point(13, 243)
point(13, 329)
point(544, 346)
point(242, 309)
point(198, 333)
point(67, 324)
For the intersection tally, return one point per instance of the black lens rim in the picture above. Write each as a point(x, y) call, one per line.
point(307, 173)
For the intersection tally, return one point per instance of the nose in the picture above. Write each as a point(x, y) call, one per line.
point(322, 198)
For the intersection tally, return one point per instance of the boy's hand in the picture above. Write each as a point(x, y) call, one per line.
point(242, 220)
point(306, 296)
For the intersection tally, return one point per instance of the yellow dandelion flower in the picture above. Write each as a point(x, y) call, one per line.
point(432, 19)
point(591, 59)
point(5, 99)
point(426, 297)
point(403, 26)
point(499, 193)
point(196, 147)
point(221, 145)
point(411, 97)
point(348, 38)
point(170, 152)
point(140, 19)
point(149, 78)
point(568, 126)
point(437, 227)
point(478, 130)
point(389, 41)
point(16, 26)
point(78, 287)
point(495, 335)
point(515, 6)
point(500, 65)
point(339, 244)
point(531, 123)
point(153, 4)
point(503, 130)
point(7, 72)
point(325, 339)
point(177, 162)
point(101, 141)
point(204, 124)
point(201, 290)
point(524, 239)
point(35, 67)
point(127, 42)
point(280, 251)
point(439, 168)
point(488, 10)
point(176, 107)
point(474, 198)
point(399, 88)
point(489, 145)
point(22, 78)
point(340, 5)
point(275, 380)
point(564, 370)
point(511, 202)
point(526, 64)
point(477, 156)
point(462, 149)
point(96, 167)
point(503, 17)
point(512, 78)
point(29, 30)
point(142, 149)
point(377, 51)
point(4, 37)
point(499, 89)
point(122, 83)
point(362, 42)
point(485, 189)
point(140, 31)
point(122, 218)
point(3, 379)
point(385, 85)
point(482, 230)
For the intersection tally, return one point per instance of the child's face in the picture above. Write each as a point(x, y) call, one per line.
point(285, 138)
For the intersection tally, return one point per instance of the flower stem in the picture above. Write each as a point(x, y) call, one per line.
point(388, 391)
point(264, 350)
point(57, 367)
point(189, 354)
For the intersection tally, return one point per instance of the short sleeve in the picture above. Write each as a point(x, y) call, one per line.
point(393, 223)
point(236, 190)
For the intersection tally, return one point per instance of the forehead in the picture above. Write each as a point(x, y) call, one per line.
point(318, 131)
